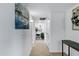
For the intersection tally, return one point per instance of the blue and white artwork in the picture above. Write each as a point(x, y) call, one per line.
point(21, 19)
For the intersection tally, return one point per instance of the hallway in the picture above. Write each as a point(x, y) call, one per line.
point(39, 49)
point(21, 24)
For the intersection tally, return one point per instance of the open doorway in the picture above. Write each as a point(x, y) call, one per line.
point(40, 30)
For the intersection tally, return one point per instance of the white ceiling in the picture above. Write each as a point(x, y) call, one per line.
point(45, 8)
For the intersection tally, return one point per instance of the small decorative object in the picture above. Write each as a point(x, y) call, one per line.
point(42, 36)
point(75, 19)
point(21, 19)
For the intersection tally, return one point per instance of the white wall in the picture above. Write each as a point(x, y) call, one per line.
point(33, 28)
point(71, 34)
point(13, 42)
point(57, 31)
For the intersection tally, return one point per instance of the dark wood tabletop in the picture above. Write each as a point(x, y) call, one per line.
point(72, 44)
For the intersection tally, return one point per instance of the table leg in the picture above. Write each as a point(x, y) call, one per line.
point(68, 50)
point(62, 48)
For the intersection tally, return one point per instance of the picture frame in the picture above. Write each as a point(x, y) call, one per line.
point(21, 18)
point(75, 18)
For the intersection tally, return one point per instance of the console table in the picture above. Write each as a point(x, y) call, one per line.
point(70, 43)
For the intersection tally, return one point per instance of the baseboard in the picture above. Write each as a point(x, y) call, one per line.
point(56, 53)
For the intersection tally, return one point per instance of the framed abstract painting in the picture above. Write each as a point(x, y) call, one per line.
point(75, 18)
point(21, 17)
